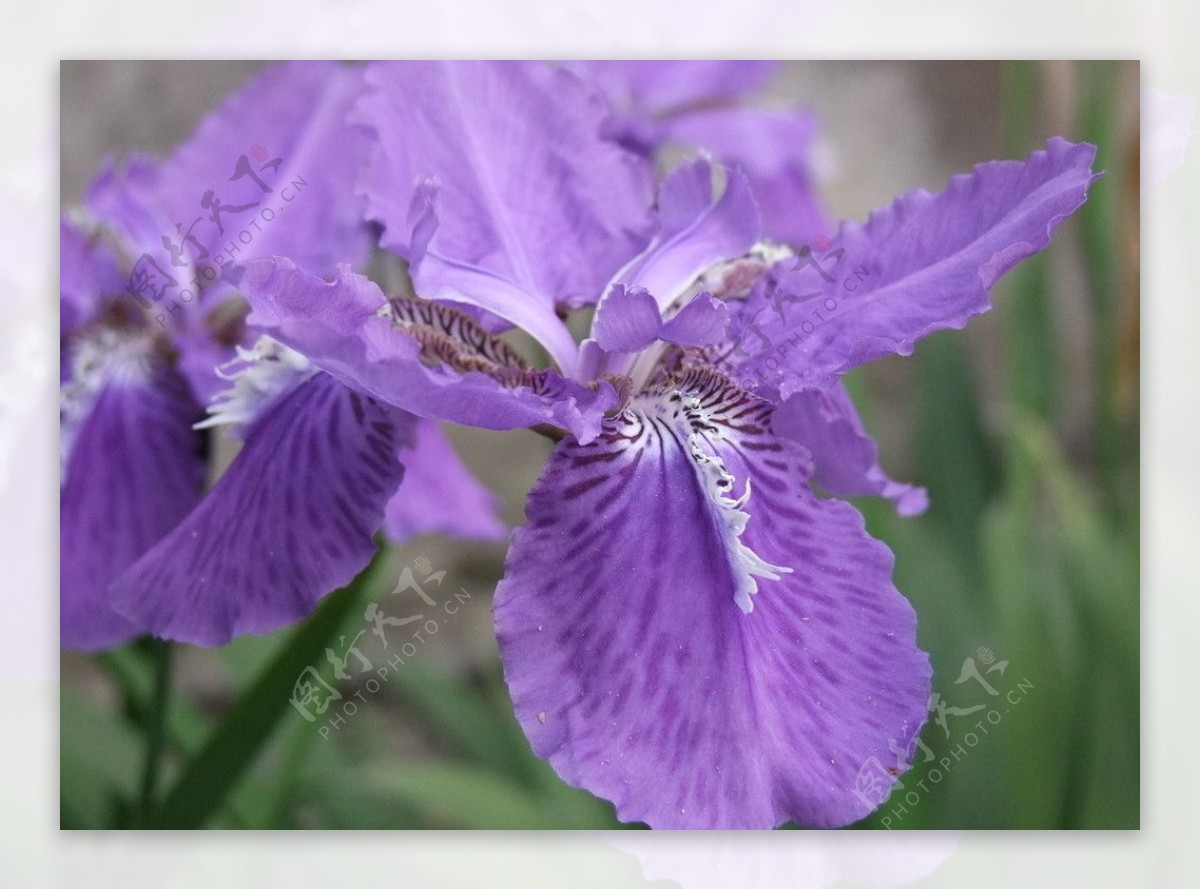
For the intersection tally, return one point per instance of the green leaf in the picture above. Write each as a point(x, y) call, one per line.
point(99, 762)
point(460, 796)
point(240, 738)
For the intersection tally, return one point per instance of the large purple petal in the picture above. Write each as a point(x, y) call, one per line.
point(270, 172)
point(439, 493)
point(292, 519)
point(634, 661)
point(294, 113)
point(922, 265)
point(134, 467)
point(529, 191)
point(478, 381)
point(845, 455)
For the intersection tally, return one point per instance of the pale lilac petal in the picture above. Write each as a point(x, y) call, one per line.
point(701, 322)
point(439, 493)
point(88, 273)
point(631, 665)
point(791, 210)
point(529, 190)
point(626, 320)
point(294, 113)
point(124, 199)
point(759, 140)
point(773, 148)
point(924, 264)
point(696, 230)
point(337, 325)
point(292, 519)
point(846, 457)
point(662, 87)
point(133, 470)
point(270, 172)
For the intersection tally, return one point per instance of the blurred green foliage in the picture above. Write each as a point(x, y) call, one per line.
point(1028, 556)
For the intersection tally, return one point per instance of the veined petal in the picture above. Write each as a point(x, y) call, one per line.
point(133, 468)
point(697, 230)
point(427, 358)
point(270, 172)
point(439, 493)
point(846, 457)
point(292, 519)
point(530, 191)
point(922, 265)
point(632, 662)
point(282, 142)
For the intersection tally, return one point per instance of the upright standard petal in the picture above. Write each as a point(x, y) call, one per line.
point(291, 519)
point(133, 468)
point(697, 228)
point(270, 172)
point(774, 149)
point(429, 359)
point(530, 192)
point(279, 147)
point(925, 264)
point(633, 661)
point(845, 455)
point(439, 493)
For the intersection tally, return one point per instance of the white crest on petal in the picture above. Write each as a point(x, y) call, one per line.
point(260, 375)
point(104, 355)
point(692, 420)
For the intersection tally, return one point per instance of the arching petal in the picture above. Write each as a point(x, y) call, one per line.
point(922, 265)
point(281, 147)
point(292, 519)
point(441, 365)
point(133, 469)
point(530, 190)
point(439, 493)
point(632, 660)
point(697, 229)
point(845, 455)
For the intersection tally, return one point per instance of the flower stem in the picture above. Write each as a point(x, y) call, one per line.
point(156, 720)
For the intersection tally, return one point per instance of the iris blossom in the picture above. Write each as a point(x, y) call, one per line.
point(149, 315)
point(687, 629)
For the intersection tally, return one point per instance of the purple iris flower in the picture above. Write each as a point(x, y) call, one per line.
point(687, 629)
point(149, 311)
